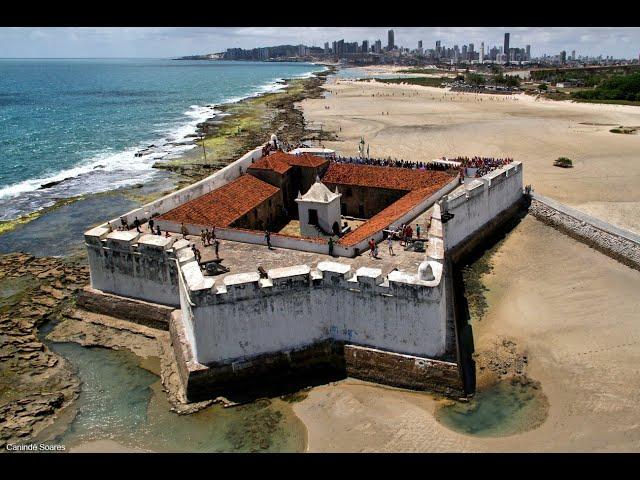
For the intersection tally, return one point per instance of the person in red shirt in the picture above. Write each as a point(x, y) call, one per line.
point(372, 247)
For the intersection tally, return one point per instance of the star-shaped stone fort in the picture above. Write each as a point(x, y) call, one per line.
point(307, 266)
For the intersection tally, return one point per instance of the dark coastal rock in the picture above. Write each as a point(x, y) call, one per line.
point(34, 382)
point(53, 184)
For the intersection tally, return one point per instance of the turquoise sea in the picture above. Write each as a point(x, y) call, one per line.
point(81, 121)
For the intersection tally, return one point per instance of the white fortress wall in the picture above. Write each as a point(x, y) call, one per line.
point(481, 201)
point(294, 307)
point(134, 265)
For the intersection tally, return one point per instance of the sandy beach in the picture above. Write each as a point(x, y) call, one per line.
point(422, 123)
point(572, 310)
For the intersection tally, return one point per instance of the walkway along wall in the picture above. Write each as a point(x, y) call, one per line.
point(613, 241)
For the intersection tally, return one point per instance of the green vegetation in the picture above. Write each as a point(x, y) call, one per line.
point(543, 86)
point(495, 79)
point(421, 70)
point(590, 77)
point(563, 162)
point(620, 87)
point(475, 79)
point(506, 80)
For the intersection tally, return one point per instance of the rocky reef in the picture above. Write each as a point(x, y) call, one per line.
point(35, 383)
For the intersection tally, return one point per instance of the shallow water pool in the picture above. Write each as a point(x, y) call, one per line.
point(503, 409)
point(122, 402)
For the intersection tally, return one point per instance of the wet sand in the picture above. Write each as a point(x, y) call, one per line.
point(104, 446)
point(573, 311)
point(427, 123)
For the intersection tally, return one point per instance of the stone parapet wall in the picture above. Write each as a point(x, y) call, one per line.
point(326, 359)
point(405, 371)
point(135, 265)
point(294, 307)
point(620, 244)
point(480, 201)
point(137, 311)
point(244, 315)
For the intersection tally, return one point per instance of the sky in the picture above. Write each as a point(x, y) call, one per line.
point(167, 42)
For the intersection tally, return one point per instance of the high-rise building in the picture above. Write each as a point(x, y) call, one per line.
point(505, 50)
point(573, 54)
point(365, 46)
point(481, 52)
point(390, 43)
point(326, 48)
point(419, 44)
point(563, 56)
point(528, 54)
point(377, 48)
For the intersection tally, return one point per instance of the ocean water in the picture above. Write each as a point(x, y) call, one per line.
point(506, 408)
point(123, 402)
point(81, 121)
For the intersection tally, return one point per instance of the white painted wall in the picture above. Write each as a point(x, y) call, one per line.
point(402, 318)
point(328, 213)
point(295, 307)
point(482, 200)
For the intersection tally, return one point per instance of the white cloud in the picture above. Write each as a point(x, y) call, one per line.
point(172, 41)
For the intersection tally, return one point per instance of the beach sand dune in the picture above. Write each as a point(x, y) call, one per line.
point(425, 123)
point(573, 310)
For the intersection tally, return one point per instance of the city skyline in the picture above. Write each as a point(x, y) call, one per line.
point(168, 42)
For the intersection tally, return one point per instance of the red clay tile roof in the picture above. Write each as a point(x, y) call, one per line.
point(391, 178)
point(271, 162)
point(223, 206)
point(390, 214)
point(307, 160)
point(280, 161)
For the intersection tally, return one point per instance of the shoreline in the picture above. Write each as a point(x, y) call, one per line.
point(187, 168)
point(289, 123)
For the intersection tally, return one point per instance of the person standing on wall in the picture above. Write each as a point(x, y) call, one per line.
point(267, 237)
point(331, 246)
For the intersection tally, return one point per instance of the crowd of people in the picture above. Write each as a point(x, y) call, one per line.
point(388, 162)
point(268, 148)
point(483, 164)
